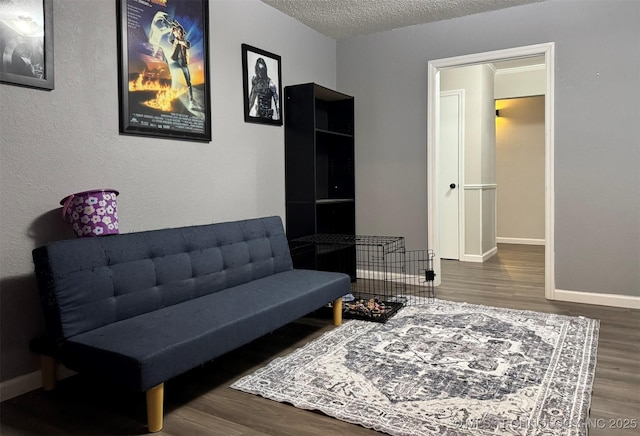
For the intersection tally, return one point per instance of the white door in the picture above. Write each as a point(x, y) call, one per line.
point(448, 179)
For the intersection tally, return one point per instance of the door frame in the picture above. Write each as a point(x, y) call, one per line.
point(433, 143)
point(461, 131)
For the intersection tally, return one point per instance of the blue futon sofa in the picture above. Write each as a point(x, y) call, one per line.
point(141, 308)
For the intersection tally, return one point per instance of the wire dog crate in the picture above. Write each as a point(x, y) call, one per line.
point(384, 275)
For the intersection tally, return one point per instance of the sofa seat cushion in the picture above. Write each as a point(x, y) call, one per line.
point(149, 349)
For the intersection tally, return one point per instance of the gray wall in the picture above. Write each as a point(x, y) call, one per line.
point(597, 133)
point(65, 141)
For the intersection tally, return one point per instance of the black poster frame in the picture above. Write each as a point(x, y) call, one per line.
point(163, 80)
point(17, 32)
point(258, 109)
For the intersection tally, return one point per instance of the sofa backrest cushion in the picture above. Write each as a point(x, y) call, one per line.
point(90, 282)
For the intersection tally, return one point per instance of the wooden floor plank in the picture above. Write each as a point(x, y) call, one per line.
point(201, 402)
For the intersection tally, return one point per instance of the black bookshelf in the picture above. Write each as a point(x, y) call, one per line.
point(319, 170)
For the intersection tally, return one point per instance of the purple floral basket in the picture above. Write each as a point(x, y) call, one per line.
point(92, 213)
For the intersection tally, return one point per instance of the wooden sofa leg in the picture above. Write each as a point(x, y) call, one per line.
point(49, 365)
point(337, 311)
point(155, 399)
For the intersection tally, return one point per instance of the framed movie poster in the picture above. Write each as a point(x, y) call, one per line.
point(262, 86)
point(26, 43)
point(164, 68)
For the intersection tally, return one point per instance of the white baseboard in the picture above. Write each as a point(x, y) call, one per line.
point(20, 385)
point(389, 276)
point(479, 258)
point(612, 300)
point(28, 382)
point(524, 241)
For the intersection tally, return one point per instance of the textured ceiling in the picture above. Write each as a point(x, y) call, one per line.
point(346, 18)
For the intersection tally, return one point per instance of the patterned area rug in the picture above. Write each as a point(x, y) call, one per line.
point(444, 368)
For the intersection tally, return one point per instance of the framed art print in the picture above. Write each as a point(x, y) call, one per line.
point(262, 86)
point(163, 59)
point(26, 43)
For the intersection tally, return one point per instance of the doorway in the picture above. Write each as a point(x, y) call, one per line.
point(520, 170)
point(434, 224)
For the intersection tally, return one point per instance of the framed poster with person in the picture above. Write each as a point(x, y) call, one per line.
point(262, 86)
point(164, 84)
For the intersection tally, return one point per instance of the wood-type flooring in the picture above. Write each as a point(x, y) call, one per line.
point(201, 402)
